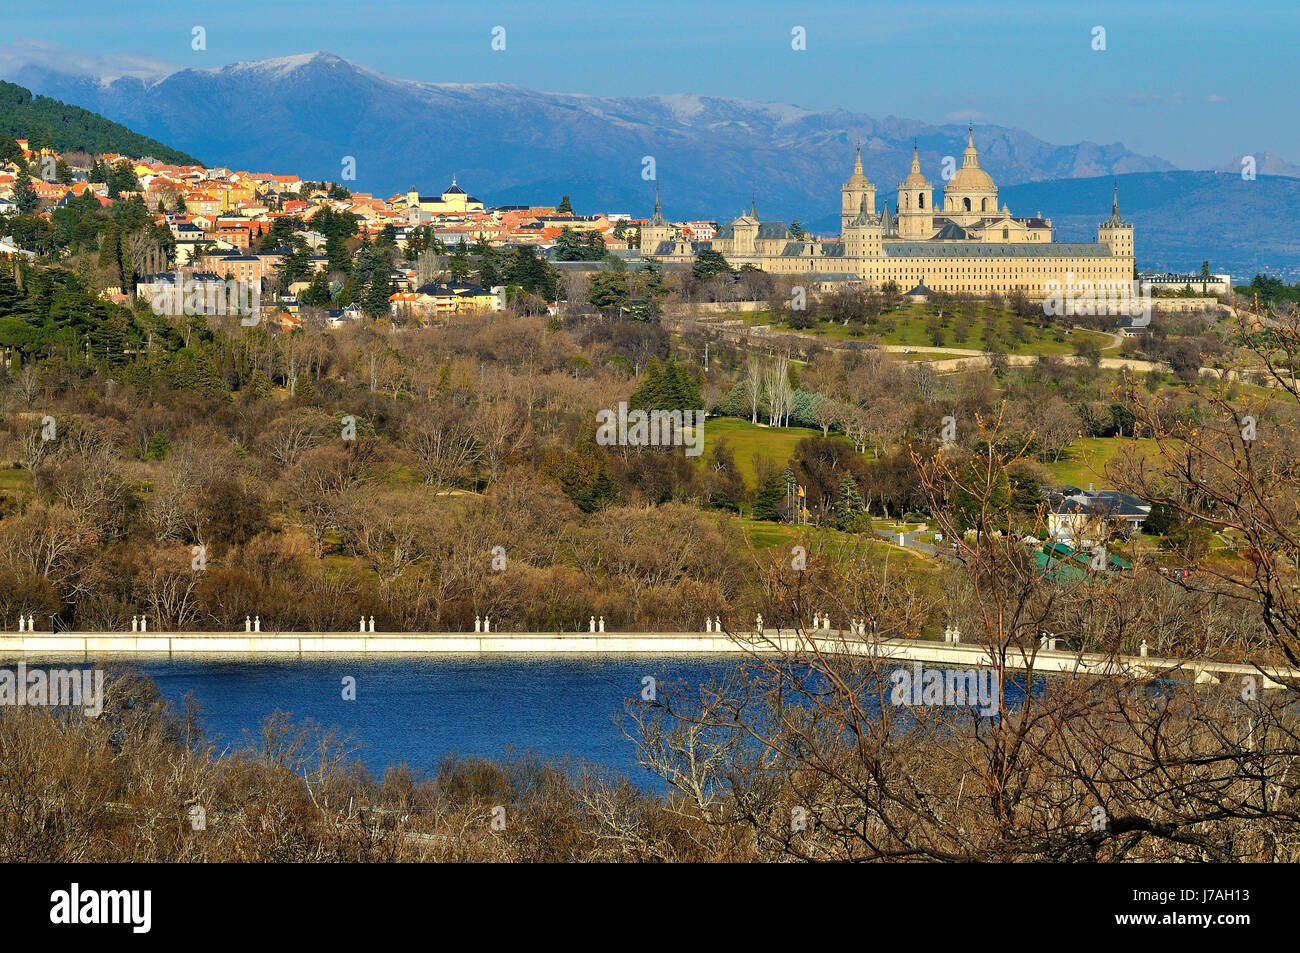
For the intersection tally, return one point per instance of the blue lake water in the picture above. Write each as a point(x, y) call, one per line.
point(417, 709)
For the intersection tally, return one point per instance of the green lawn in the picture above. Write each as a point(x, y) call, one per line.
point(765, 535)
point(14, 482)
point(775, 443)
point(1085, 461)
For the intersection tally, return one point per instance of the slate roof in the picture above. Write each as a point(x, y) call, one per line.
point(666, 247)
point(993, 250)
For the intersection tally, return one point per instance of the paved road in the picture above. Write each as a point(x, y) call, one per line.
point(918, 540)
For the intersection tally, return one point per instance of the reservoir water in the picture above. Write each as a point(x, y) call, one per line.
point(418, 709)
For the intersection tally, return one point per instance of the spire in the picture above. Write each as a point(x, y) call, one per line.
point(916, 159)
point(857, 163)
point(1115, 221)
point(866, 216)
point(658, 218)
point(753, 209)
point(970, 158)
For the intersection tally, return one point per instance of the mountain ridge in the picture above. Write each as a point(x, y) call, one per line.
point(712, 156)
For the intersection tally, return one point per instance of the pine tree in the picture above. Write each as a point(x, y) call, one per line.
point(848, 506)
point(649, 393)
point(9, 294)
point(681, 392)
point(603, 489)
point(770, 497)
point(376, 303)
point(25, 196)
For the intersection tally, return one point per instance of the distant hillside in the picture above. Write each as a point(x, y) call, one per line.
point(25, 116)
point(1182, 218)
point(1265, 164)
point(303, 114)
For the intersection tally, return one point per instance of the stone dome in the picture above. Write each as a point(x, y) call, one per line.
point(970, 180)
point(858, 180)
point(970, 177)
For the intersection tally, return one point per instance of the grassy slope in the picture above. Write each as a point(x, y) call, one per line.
point(775, 443)
point(1085, 461)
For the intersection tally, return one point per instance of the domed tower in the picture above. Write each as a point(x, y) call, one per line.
point(1116, 232)
point(857, 188)
point(656, 231)
point(864, 234)
point(915, 203)
point(970, 194)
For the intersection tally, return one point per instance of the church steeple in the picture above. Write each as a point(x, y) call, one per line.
point(1115, 220)
point(856, 190)
point(753, 209)
point(970, 158)
point(866, 215)
point(658, 217)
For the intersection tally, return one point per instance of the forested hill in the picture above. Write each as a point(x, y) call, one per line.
point(64, 128)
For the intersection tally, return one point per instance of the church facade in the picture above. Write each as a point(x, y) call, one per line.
point(964, 244)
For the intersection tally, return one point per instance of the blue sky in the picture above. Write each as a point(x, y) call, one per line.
point(1194, 82)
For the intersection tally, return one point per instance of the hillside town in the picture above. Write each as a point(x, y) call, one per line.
point(222, 225)
point(286, 237)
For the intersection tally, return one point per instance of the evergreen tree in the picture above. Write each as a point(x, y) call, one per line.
point(709, 263)
point(25, 196)
point(568, 246)
point(607, 290)
point(458, 267)
point(849, 506)
point(9, 293)
point(317, 294)
point(649, 394)
point(376, 303)
point(603, 490)
point(565, 207)
point(337, 250)
point(594, 248)
point(770, 499)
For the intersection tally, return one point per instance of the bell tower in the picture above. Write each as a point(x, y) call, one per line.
point(857, 188)
point(656, 231)
point(915, 204)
